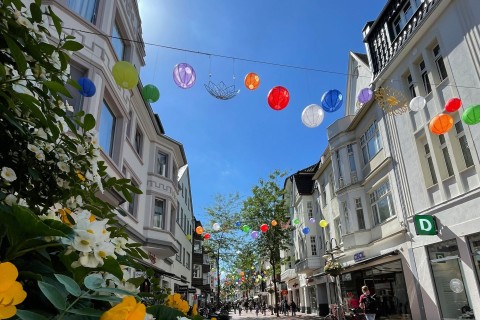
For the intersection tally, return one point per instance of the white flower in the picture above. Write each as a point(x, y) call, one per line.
point(120, 245)
point(40, 156)
point(55, 60)
point(80, 149)
point(67, 106)
point(41, 133)
point(149, 316)
point(83, 241)
point(103, 250)
point(88, 260)
point(79, 200)
point(10, 199)
point(63, 166)
point(8, 174)
point(33, 148)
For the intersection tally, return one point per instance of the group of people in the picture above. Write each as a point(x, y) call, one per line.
point(259, 307)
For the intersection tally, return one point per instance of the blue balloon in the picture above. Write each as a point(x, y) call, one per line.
point(87, 87)
point(332, 100)
point(238, 223)
point(306, 230)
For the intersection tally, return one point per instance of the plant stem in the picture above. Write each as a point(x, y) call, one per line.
point(47, 245)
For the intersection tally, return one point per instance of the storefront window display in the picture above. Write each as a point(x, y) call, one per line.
point(386, 281)
point(475, 250)
point(313, 299)
point(449, 284)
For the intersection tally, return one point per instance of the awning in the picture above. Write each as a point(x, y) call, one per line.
point(160, 271)
point(380, 256)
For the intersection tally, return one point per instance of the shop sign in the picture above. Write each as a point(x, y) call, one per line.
point(347, 277)
point(182, 289)
point(358, 256)
point(192, 290)
point(425, 225)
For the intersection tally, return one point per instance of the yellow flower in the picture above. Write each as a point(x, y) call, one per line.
point(128, 309)
point(175, 301)
point(194, 309)
point(11, 291)
point(80, 176)
point(63, 215)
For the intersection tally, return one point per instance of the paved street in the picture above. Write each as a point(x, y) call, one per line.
point(252, 316)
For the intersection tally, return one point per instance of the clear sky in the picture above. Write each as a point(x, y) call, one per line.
point(231, 144)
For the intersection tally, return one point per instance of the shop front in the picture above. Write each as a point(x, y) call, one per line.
point(386, 281)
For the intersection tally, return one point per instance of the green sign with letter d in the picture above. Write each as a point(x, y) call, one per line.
point(425, 225)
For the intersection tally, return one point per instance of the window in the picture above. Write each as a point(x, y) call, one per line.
point(76, 101)
point(370, 142)
point(360, 216)
point(313, 245)
point(85, 8)
point(178, 256)
point(181, 218)
point(402, 19)
point(162, 164)
point(411, 86)
point(346, 215)
point(382, 204)
point(442, 71)
point(462, 139)
point(310, 209)
point(407, 12)
point(117, 42)
point(178, 216)
point(129, 123)
point(338, 229)
point(446, 155)
point(428, 156)
point(159, 214)
point(184, 256)
point(427, 87)
point(197, 246)
point(332, 191)
point(107, 129)
point(353, 166)
point(324, 194)
point(339, 164)
point(398, 25)
point(132, 206)
point(197, 271)
point(138, 141)
point(187, 261)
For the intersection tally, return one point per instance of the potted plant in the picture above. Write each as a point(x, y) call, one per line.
point(333, 268)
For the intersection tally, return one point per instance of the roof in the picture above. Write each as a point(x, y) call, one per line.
point(362, 56)
point(304, 179)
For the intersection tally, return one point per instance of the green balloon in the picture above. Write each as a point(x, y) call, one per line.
point(296, 221)
point(471, 115)
point(245, 228)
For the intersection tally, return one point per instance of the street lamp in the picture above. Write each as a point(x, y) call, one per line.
point(330, 253)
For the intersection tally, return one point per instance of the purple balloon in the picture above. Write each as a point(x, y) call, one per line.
point(184, 75)
point(312, 220)
point(254, 234)
point(365, 95)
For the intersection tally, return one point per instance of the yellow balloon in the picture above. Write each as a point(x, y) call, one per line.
point(125, 74)
point(274, 223)
point(323, 223)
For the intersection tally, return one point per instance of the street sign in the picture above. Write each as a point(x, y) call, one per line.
point(359, 256)
point(425, 225)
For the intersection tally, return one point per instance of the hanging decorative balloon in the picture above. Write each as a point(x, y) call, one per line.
point(242, 273)
point(264, 227)
point(216, 226)
point(150, 93)
point(252, 81)
point(471, 115)
point(312, 116)
point(278, 98)
point(245, 228)
point(306, 230)
point(453, 105)
point(296, 221)
point(125, 74)
point(206, 236)
point(184, 75)
point(312, 220)
point(87, 87)
point(323, 223)
point(365, 95)
point(441, 123)
point(254, 234)
point(332, 100)
point(238, 224)
point(274, 223)
point(417, 103)
point(199, 230)
point(189, 237)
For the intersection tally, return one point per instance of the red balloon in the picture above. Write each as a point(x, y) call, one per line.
point(453, 105)
point(278, 98)
point(206, 236)
point(264, 227)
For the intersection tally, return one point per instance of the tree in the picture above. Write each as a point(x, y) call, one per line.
point(267, 203)
point(224, 241)
point(246, 261)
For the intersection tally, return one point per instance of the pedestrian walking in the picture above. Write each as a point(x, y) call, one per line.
point(368, 303)
point(293, 306)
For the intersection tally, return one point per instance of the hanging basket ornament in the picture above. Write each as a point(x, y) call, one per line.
point(252, 81)
point(278, 98)
point(417, 103)
point(150, 93)
point(441, 124)
point(312, 116)
point(332, 100)
point(125, 74)
point(184, 75)
point(221, 91)
point(453, 105)
point(333, 268)
point(87, 87)
point(391, 100)
point(471, 115)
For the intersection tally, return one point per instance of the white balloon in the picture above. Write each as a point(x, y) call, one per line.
point(216, 226)
point(417, 103)
point(312, 116)
point(456, 285)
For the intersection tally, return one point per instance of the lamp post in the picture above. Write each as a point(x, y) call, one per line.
point(330, 253)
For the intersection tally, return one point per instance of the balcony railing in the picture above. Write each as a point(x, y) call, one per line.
point(308, 264)
point(288, 274)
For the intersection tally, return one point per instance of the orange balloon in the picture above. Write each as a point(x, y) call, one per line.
point(441, 123)
point(199, 230)
point(274, 223)
point(252, 81)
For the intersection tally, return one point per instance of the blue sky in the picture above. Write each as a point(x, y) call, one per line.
point(231, 144)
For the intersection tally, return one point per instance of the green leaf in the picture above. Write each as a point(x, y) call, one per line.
point(127, 195)
point(47, 48)
point(57, 87)
point(56, 21)
point(2, 71)
point(112, 266)
point(137, 282)
point(17, 54)
point(93, 282)
point(32, 224)
point(72, 46)
point(74, 84)
point(32, 103)
point(117, 291)
point(53, 295)
point(133, 189)
point(87, 312)
point(36, 12)
point(88, 122)
point(70, 284)
point(29, 315)
point(57, 225)
point(164, 312)
point(102, 298)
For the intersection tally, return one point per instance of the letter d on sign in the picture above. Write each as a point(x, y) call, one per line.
point(425, 225)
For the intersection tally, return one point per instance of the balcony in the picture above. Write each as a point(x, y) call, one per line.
point(160, 242)
point(288, 275)
point(339, 126)
point(308, 265)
